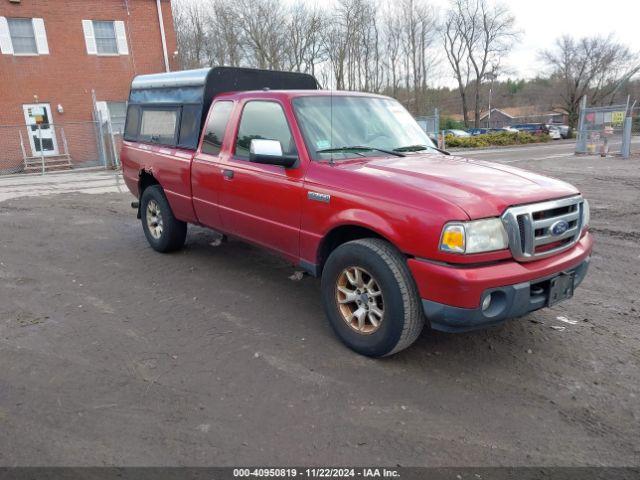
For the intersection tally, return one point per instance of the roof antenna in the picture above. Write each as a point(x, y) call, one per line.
point(331, 162)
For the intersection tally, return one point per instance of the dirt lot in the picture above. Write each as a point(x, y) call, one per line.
point(112, 354)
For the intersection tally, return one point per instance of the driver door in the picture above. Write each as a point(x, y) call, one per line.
point(262, 203)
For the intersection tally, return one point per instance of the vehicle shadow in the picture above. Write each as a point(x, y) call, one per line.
point(241, 261)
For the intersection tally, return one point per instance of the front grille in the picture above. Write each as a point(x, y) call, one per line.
point(542, 229)
point(521, 230)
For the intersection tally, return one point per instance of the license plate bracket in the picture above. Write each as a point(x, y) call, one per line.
point(561, 288)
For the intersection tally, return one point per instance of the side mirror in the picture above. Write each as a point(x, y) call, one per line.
point(270, 152)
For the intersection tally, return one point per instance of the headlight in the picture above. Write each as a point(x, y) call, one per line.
point(474, 237)
point(586, 214)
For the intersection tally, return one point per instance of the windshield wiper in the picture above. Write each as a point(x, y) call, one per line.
point(411, 148)
point(355, 148)
point(418, 148)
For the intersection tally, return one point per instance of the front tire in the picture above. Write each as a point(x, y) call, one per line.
point(164, 232)
point(370, 298)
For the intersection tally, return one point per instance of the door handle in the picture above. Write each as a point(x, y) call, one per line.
point(227, 174)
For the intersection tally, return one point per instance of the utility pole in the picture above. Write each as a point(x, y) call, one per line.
point(491, 76)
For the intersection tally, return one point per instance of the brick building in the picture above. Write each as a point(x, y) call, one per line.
point(54, 53)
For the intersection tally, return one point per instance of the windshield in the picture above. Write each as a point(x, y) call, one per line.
point(341, 127)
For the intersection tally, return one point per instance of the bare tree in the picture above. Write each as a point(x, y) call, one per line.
point(409, 29)
point(336, 44)
point(496, 26)
point(261, 23)
point(191, 21)
point(487, 33)
point(593, 66)
point(420, 25)
point(392, 31)
point(456, 50)
point(305, 28)
point(226, 35)
point(363, 47)
point(343, 41)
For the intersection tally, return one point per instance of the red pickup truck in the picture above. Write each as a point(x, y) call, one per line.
point(347, 186)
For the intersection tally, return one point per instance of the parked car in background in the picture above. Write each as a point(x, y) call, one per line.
point(532, 128)
point(564, 130)
point(478, 131)
point(457, 133)
point(484, 131)
point(554, 132)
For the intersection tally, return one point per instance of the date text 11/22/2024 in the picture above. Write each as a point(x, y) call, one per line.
point(315, 473)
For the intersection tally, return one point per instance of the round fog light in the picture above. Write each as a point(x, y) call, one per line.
point(486, 303)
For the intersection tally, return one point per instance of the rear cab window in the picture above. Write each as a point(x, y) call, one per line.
point(216, 127)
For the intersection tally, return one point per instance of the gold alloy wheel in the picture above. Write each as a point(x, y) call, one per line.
point(154, 219)
point(360, 300)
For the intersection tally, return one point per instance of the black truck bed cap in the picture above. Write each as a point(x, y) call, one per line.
point(198, 88)
point(226, 79)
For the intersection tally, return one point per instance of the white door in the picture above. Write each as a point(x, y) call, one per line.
point(42, 138)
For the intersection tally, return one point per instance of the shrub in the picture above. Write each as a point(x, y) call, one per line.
point(448, 123)
point(494, 139)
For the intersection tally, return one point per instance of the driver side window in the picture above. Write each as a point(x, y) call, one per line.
point(263, 120)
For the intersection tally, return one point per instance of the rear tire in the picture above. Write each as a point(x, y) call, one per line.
point(164, 232)
point(370, 298)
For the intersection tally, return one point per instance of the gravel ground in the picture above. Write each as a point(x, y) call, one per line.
point(113, 354)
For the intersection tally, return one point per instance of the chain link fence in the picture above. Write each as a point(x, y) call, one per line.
point(605, 130)
point(62, 146)
point(430, 124)
point(41, 147)
point(634, 113)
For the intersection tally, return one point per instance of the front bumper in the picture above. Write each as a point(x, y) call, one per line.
point(511, 301)
point(452, 295)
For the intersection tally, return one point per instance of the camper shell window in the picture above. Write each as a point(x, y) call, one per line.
point(158, 100)
point(159, 125)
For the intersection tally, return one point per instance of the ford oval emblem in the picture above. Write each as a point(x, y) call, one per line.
point(559, 228)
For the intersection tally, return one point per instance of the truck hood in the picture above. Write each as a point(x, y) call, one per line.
point(481, 189)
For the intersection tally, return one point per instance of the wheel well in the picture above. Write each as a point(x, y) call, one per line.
point(146, 180)
point(340, 235)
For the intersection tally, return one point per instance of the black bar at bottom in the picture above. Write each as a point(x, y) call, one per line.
point(405, 473)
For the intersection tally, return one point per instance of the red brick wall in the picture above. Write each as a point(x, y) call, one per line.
point(68, 74)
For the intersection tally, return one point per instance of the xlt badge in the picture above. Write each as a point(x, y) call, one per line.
point(319, 197)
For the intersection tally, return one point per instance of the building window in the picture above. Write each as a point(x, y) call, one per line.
point(105, 37)
point(23, 36)
point(114, 112)
point(106, 42)
point(117, 114)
